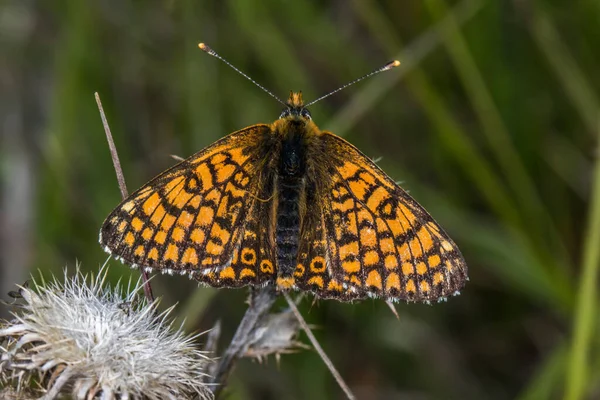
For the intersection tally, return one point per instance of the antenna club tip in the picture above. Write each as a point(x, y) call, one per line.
point(390, 65)
point(204, 47)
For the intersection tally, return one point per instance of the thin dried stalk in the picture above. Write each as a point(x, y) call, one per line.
point(318, 348)
point(122, 187)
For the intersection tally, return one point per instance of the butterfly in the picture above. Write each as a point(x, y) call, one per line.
point(289, 205)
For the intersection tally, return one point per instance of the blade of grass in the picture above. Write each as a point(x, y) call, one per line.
point(568, 162)
point(501, 249)
point(546, 380)
point(194, 306)
point(446, 126)
point(205, 122)
point(371, 91)
point(539, 221)
point(576, 85)
point(62, 132)
point(586, 308)
point(271, 47)
point(464, 151)
point(587, 104)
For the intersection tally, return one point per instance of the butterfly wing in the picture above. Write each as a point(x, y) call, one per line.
point(199, 216)
point(252, 260)
point(368, 237)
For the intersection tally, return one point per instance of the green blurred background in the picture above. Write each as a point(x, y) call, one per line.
point(491, 122)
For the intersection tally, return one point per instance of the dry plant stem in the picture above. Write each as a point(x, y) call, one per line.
point(261, 301)
point(58, 385)
point(212, 342)
point(122, 187)
point(318, 348)
point(113, 149)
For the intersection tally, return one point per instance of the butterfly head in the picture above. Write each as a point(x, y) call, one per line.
point(295, 108)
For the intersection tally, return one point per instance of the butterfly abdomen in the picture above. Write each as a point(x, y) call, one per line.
point(288, 229)
point(290, 171)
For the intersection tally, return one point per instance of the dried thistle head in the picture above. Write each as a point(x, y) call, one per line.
point(10, 393)
point(84, 338)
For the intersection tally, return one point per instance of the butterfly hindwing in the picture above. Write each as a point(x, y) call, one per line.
point(192, 217)
point(374, 238)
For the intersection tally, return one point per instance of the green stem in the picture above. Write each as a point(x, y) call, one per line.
point(585, 314)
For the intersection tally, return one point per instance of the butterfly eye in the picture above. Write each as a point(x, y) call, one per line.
point(286, 112)
point(305, 113)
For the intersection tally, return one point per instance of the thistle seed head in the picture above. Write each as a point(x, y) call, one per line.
point(89, 340)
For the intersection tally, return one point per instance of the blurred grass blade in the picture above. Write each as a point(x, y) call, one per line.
point(457, 143)
point(542, 266)
point(267, 41)
point(569, 163)
point(570, 75)
point(546, 381)
point(464, 150)
point(505, 251)
point(194, 307)
point(410, 57)
point(586, 311)
point(500, 143)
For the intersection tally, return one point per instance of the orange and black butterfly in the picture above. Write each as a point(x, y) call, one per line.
point(287, 204)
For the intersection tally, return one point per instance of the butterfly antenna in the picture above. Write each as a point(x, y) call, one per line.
point(386, 67)
point(210, 51)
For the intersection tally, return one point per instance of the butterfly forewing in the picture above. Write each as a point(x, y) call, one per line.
point(196, 216)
